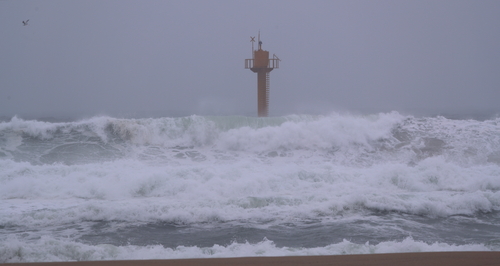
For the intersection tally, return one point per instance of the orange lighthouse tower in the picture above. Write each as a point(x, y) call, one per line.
point(262, 65)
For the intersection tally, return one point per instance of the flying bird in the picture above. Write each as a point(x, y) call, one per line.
point(25, 23)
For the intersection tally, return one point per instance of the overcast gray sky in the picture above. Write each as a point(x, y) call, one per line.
point(170, 58)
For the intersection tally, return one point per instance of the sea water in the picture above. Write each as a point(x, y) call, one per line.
point(106, 188)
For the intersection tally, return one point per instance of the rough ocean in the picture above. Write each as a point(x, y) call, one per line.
point(106, 188)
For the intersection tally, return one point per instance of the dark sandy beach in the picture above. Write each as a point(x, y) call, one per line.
point(406, 259)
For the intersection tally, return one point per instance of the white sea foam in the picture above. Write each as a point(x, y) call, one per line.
point(236, 170)
point(50, 249)
point(135, 191)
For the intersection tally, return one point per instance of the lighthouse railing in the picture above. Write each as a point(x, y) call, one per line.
point(248, 63)
point(273, 63)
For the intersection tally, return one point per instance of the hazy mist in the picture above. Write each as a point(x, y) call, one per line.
point(176, 58)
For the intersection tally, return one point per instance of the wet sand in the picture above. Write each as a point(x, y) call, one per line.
point(393, 259)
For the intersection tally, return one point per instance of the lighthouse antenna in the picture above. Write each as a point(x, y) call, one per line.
point(252, 40)
point(260, 43)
